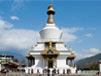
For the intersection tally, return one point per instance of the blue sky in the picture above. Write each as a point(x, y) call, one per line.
point(80, 20)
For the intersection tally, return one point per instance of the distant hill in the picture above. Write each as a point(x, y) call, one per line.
point(16, 55)
point(89, 63)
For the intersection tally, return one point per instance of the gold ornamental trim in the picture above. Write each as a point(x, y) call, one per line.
point(72, 56)
point(28, 55)
point(48, 54)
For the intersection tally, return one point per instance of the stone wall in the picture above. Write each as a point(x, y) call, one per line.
point(41, 75)
point(20, 75)
point(78, 75)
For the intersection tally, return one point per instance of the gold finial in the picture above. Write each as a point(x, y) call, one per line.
point(50, 12)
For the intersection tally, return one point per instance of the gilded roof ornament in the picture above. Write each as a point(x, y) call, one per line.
point(72, 56)
point(28, 55)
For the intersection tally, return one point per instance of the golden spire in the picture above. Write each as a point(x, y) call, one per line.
point(50, 12)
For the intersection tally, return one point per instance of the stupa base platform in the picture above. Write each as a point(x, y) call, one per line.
point(23, 74)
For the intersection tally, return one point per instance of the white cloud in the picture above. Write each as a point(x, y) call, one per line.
point(94, 50)
point(22, 39)
point(89, 35)
point(88, 53)
point(5, 24)
point(72, 30)
point(17, 4)
point(67, 37)
point(19, 0)
point(14, 18)
point(68, 34)
point(17, 39)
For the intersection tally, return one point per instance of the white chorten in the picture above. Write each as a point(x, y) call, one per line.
point(50, 53)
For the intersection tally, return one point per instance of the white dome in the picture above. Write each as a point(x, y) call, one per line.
point(50, 33)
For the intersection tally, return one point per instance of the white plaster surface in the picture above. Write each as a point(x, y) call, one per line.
point(50, 33)
point(100, 67)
